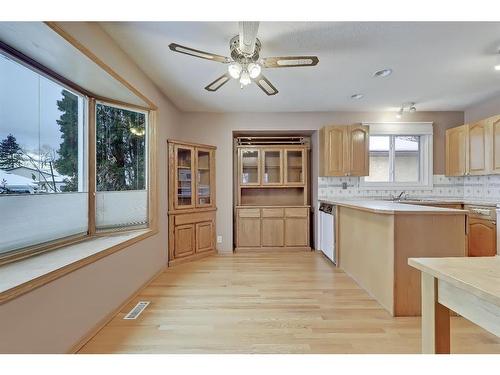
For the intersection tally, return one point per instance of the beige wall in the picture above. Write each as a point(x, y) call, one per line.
point(52, 318)
point(485, 109)
point(217, 128)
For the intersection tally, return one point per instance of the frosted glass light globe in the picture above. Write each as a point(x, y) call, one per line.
point(245, 78)
point(234, 70)
point(254, 70)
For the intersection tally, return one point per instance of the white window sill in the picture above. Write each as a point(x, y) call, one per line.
point(24, 275)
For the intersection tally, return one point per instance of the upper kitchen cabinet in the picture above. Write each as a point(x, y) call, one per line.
point(478, 148)
point(456, 151)
point(344, 150)
point(494, 126)
point(471, 148)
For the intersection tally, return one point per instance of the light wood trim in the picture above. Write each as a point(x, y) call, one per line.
point(153, 171)
point(103, 322)
point(192, 218)
point(92, 166)
point(192, 144)
point(296, 212)
point(51, 276)
point(435, 319)
point(73, 41)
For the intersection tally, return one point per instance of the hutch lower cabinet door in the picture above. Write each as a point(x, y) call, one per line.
point(184, 240)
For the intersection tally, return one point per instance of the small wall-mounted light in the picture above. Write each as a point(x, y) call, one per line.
point(410, 107)
point(497, 65)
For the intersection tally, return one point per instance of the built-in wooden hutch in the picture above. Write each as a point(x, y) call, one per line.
point(272, 186)
point(191, 214)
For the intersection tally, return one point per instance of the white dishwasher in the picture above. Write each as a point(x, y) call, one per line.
point(327, 230)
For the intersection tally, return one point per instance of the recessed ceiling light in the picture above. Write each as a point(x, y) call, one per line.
point(383, 73)
point(357, 96)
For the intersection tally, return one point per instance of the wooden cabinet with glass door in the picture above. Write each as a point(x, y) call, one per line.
point(272, 210)
point(191, 215)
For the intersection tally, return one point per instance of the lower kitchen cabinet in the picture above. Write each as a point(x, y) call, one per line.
point(272, 227)
point(191, 236)
point(482, 238)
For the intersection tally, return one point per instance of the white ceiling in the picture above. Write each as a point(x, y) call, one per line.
point(440, 66)
point(44, 45)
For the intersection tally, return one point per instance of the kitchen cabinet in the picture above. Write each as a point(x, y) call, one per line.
point(494, 126)
point(482, 234)
point(470, 149)
point(191, 215)
point(344, 150)
point(272, 227)
point(456, 151)
point(478, 148)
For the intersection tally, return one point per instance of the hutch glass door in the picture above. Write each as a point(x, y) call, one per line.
point(203, 186)
point(184, 177)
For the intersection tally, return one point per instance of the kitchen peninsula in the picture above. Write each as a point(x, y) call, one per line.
point(374, 240)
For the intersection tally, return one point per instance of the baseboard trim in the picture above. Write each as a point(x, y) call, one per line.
point(269, 249)
point(103, 322)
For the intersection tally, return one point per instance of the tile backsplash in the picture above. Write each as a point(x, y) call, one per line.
point(485, 188)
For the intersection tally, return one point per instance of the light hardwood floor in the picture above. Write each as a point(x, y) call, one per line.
point(283, 302)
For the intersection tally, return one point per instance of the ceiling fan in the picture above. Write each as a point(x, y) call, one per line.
point(245, 63)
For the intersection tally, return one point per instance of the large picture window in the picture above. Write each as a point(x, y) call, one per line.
point(43, 180)
point(400, 157)
point(47, 182)
point(121, 167)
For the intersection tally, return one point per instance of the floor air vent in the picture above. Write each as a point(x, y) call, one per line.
point(137, 310)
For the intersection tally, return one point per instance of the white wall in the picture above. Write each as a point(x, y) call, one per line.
point(52, 318)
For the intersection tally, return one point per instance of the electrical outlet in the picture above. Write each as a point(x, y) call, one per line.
point(344, 185)
point(219, 239)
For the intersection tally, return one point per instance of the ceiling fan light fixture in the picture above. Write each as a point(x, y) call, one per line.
point(245, 78)
point(254, 70)
point(234, 70)
point(400, 113)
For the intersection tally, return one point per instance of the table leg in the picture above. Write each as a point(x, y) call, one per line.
point(435, 319)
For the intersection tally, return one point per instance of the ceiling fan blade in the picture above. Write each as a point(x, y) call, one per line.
point(218, 83)
point(265, 85)
point(289, 61)
point(197, 53)
point(248, 35)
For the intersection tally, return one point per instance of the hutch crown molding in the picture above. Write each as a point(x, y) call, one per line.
point(191, 213)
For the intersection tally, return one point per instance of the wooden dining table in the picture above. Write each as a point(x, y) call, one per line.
point(468, 286)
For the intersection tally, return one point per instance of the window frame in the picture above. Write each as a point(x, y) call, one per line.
point(90, 102)
point(422, 129)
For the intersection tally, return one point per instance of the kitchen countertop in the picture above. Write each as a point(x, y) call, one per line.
point(389, 207)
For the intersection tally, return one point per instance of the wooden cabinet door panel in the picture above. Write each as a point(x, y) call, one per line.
point(335, 153)
point(273, 232)
point(477, 148)
point(205, 236)
point(456, 149)
point(359, 140)
point(482, 238)
point(248, 232)
point(184, 240)
point(296, 232)
point(495, 144)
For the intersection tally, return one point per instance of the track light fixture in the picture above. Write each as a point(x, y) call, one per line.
point(409, 107)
